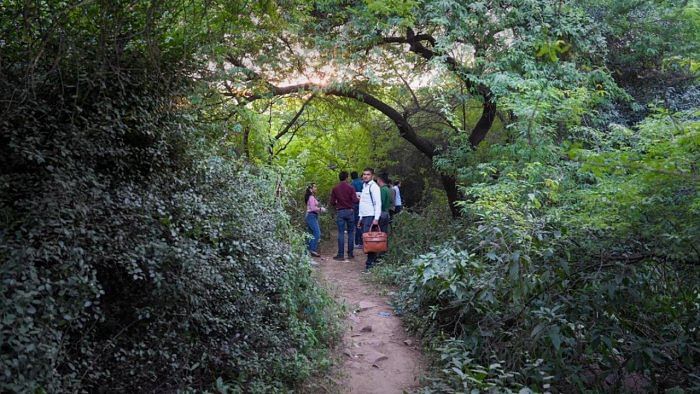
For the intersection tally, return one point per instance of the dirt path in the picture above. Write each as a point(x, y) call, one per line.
point(379, 356)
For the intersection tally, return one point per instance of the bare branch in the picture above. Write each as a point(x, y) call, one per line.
point(286, 128)
point(488, 114)
point(296, 128)
point(405, 129)
point(294, 119)
point(408, 87)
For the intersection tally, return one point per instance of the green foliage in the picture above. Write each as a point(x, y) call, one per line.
point(145, 237)
point(333, 144)
point(575, 269)
point(576, 274)
point(654, 36)
point(551, 50)
point(412, 233)
point(397, 12)
point(132, 258)
point(648, 179)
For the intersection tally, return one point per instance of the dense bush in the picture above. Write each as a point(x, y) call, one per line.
point(160, 287)
point(129, 264)
point(413, 233)
point(573, 275)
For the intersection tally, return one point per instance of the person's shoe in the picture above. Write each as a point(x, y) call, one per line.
point(365, 271)
point(351, 256)
point(315, 254)
point(358, 246)
point(338, 258)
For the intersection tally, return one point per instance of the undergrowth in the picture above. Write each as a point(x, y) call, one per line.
point(134, 258)
point(574, 270)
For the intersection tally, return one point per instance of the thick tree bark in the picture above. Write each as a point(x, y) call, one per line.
point(485, 122)
point(453, 195)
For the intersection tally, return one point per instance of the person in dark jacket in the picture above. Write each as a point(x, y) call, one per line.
point(343, 198)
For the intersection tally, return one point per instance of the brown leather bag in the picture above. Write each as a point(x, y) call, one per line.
point(375, 241)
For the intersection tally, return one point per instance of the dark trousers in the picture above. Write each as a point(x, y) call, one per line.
point(358, 233)
point(366, 222)
point(344, 218)
point(384, 222)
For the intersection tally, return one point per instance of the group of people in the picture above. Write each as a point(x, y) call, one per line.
point(360, 205)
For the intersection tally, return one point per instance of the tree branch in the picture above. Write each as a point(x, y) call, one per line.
point(294, 119)
point(488, 114)
point(406, 131)
point(286, 128)
point(408, 87)
point(296, 128)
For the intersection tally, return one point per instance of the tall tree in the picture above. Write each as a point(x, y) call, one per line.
point(481, 51)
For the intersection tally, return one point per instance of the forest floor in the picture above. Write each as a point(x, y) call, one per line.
point(377, 355)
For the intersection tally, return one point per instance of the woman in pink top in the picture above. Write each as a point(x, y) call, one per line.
point(312, 211)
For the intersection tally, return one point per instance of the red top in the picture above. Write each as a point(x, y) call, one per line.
point(343, 196)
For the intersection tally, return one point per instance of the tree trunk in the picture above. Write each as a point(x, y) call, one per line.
point(453, 195)
point(408, 133)
point(485, 122)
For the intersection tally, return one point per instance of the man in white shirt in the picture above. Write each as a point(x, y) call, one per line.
point(370, 209)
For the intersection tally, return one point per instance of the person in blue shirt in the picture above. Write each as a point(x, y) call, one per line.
point(357, 184)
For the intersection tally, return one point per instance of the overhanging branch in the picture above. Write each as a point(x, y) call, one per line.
point(489, 109)
point(406, 131)
point(287, 127)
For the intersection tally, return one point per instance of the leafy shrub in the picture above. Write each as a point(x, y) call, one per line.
point(412, 233)
point(129, 264)
point(574, 275)
point(199, 284)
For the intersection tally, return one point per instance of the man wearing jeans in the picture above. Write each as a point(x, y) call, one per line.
point(343, 198)
point(370, 209)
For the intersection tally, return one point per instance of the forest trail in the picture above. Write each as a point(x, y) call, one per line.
point(378, 356)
